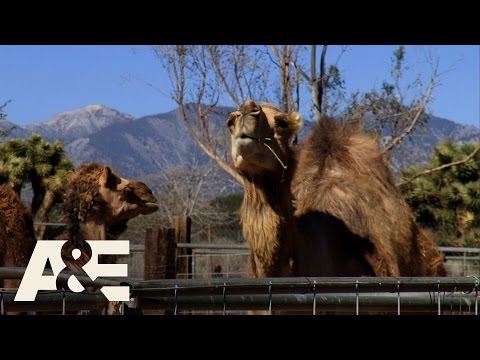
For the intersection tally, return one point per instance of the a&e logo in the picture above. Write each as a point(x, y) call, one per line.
point(50, 250)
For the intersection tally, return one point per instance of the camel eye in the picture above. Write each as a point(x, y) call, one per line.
point(281, 123)
point(229, 122)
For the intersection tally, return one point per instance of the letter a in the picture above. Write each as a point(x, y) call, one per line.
point(33, 279)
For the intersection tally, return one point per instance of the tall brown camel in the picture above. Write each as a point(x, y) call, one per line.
point(17, 236)
point(98, 204)
point(330, 208)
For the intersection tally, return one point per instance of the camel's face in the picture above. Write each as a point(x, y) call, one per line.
point(261, 137)
point(126, 198)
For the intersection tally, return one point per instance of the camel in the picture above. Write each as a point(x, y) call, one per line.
point(98, 204)
point(17, 236)
point(328, 208)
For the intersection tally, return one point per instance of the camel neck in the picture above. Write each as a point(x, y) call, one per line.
point(268, 227)
point(269, 192)
point(93, 231)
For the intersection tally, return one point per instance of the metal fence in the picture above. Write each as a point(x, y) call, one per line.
point(312, 296)
point(218, 284)
point(215, 260)
point(231, 260)
point(461, 261)
point(309, 296)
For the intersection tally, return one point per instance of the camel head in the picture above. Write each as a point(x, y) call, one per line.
point(95, 191)
point(261, 137)
point(126, 198)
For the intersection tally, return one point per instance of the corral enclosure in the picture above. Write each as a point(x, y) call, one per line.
point(222, 253)
point(171, 274)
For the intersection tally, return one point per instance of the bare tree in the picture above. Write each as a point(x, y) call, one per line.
point(203, 75)
point(400, 107)
point(326, 80)
point(187, 188)
point(285, 59)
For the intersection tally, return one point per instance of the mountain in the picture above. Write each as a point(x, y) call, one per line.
point(144, 146)
point(134, 147)
point(16, 130)
point(78, 124)
point(418, 150)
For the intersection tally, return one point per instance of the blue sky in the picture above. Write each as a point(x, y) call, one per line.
point(43, 81)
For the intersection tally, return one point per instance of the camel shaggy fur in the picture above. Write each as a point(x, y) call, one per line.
point(98, 204)
point(330, 208)
point(17, 236)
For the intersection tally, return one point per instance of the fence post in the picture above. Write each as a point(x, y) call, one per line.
point(182, 226)
point(159, 253)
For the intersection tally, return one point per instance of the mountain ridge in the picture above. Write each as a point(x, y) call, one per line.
point(139, 147)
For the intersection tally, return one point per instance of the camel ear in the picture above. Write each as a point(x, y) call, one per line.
point(232, 117)
point(290, 123)
point(70, 175)
point(108, 178)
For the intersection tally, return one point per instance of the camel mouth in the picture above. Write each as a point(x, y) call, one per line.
point(246, 138)
point(149, 204)
point(149, 199)
point(150, 208)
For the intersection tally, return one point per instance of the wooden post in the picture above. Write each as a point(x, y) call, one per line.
point(182, 226)
point(159, 253)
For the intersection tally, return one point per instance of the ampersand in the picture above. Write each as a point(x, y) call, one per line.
point(75, 257)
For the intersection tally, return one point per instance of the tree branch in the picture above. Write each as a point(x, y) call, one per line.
point(321, 90)
point(438, 168)
point(228, 169)
point(314, 83)
point(421, 109)
point(215, 58)
point(317, 84)
point(301, 72)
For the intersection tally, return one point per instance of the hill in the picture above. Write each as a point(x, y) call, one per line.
point(139, 147)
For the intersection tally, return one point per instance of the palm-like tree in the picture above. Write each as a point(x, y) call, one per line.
point(448, 201)
point(39, 162)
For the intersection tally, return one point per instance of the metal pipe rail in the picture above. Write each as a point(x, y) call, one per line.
point(424, 303)
point(213, 246)
point(55, 300)
point(454, 249)
point(342, 295)
point(140, 247)
point(308, 284)
point(277, 285)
